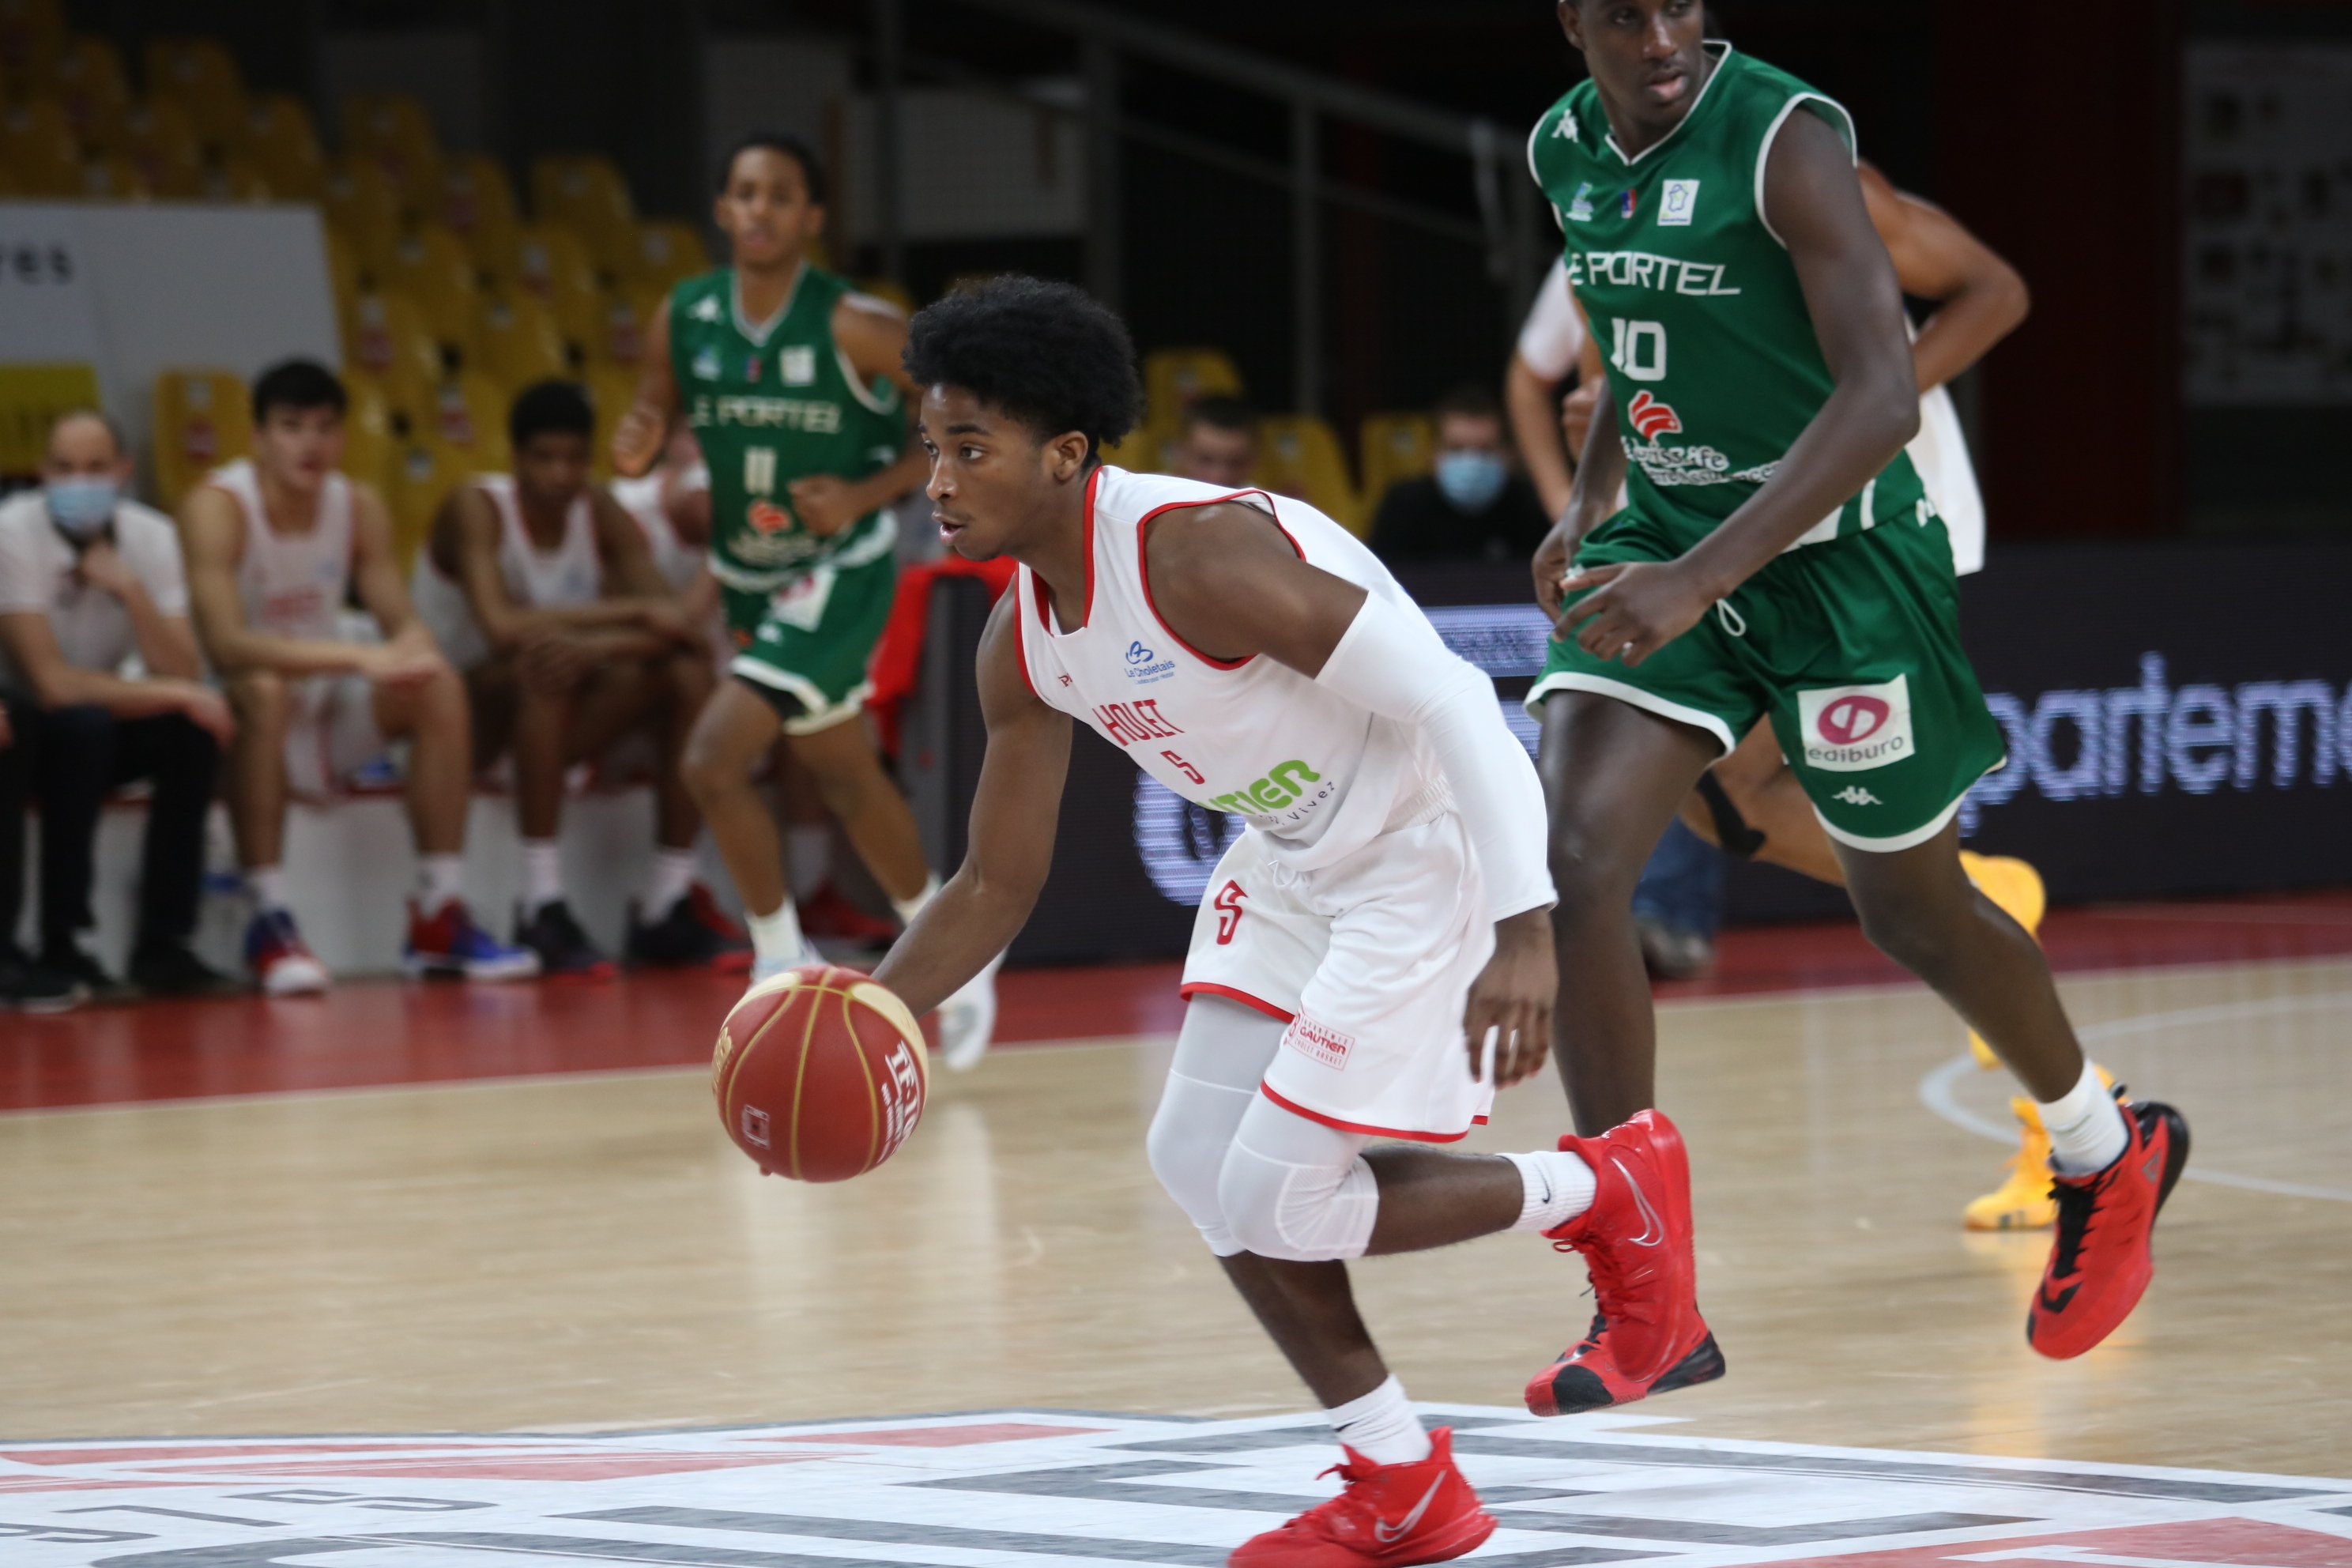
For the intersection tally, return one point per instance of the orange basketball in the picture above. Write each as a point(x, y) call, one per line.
point(820, 1074)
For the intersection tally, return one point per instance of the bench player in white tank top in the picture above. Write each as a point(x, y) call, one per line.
point(1373, 958)
point(542, 589)
point(275, 543)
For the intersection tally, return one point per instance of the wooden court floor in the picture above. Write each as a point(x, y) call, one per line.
point(588, 1252)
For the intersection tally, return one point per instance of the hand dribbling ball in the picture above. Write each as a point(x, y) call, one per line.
point(820, 1074)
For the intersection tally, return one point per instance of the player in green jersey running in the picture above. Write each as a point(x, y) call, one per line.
point(1779, 558)
point(791, 382)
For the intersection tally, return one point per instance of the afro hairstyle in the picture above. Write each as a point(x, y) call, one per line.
point(1046, 355)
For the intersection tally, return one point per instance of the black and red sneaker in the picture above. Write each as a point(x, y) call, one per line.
point(1646, 1336)
point(693, 934)
point(1389, 1516)
point(2101, 1262)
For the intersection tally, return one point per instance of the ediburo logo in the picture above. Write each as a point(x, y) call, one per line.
point(1850, 728)
point(1651, 418)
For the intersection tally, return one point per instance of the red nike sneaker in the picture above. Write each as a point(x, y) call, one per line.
point(1390, 1516)
point(2101, 1261)
point(1646, 1336)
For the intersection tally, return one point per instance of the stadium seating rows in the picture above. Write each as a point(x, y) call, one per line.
point(449, 298)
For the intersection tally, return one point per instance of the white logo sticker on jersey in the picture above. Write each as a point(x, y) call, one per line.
point(1579, 206)
point(799, 365)
point(1850, 728)
point(1318, 1042)
point(706, 365)
point(1676, 202)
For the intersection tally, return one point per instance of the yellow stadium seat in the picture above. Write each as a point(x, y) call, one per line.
point(1395, 447)
point(368, 435)
point(431, 267)
point(201, 76)
point(40, 149)
point(667, 251)
point(585, 192)
point(158, 138)
point(344, 274)
point(626, 320)
point(113, 177)
point(422, 473)
point(1174, 379)
point(469, 417)
point(520, 342)
point(94, 91)
point(550, 263)
point(393, 131)
point(389, 339)
point(610, 391)
point(237, 179)
point(1299, 455)
point(203, 419)
point(363, 202)
point(884, 288)
point(31, 32)
point(478, 205)
point(1137, 452)
point(277, 135)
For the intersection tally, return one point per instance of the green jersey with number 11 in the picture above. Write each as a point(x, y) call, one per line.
point(774, 402)
point(1694, 301)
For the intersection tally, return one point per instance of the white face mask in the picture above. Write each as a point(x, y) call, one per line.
point(82, 504)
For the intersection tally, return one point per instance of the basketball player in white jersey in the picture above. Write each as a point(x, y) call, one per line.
point(1372, 959)
point(541, 590)
point(275, 543)
point(1751, 803)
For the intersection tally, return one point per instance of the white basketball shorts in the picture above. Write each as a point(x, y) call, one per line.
point(1370, 963)
point(331, 734)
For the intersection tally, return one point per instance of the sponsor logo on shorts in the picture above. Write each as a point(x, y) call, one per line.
point(1318, 1042)
point(1228, 905)
point(1284, 787)
point(1850, 728)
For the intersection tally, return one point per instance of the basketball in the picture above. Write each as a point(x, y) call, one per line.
point(820, 1074)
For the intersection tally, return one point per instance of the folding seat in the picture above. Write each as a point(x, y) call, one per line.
point(1175, 379)
point(203, 419)
point(430, 266)
point(626, 321)
point(423, 470)
point(1299, 455)
point(478, 205)
point(610, 391)
point(550, 264)
point(363, 201)
point(520, 342)
point(39, 148)
point(668, 251)
point(586, 193)
point(388, 338)
point(369, 437)
point(158, 138)
point(32, 35)
point(94, 94)
point(1393, 446)
point(201, 76)
point(277, 136)
point(394, 130)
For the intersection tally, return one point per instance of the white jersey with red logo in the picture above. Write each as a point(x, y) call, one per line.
point(290, 584)
point(1316, 773)
point(571, 573)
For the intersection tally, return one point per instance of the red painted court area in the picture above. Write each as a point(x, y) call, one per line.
point(375, 1034)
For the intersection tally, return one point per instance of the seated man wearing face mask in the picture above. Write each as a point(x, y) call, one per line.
point(1474, 506)
point(88, 579)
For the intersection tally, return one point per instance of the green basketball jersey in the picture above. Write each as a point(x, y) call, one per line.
point(1693, 301)
point(771, 406)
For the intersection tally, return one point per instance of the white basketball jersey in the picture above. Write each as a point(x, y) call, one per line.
point(1320, 775)
point(1940, 452)
point(291, 584)
point(571, 574)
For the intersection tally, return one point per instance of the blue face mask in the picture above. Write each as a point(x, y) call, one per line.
point(1471, 481)
point(81, 505)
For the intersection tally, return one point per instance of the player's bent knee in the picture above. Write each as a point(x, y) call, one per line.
point(257, 697)
point(1187, 1147)
point(1297, 1191)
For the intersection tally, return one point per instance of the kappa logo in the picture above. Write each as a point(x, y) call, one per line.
point(1652, 416)
point(1566, 130)
point(1854, 795)
point(705, 309)
point(1847, 728)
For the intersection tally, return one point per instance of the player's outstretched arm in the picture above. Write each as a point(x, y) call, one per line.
point(1014, 815)
point(1979, 298)
point(1813, 202)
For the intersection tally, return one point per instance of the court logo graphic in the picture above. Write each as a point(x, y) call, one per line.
point(1850, 728)
point(1652, 416)
point(1676, 202)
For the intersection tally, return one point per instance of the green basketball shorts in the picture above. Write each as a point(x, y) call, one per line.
point(811, 639)
point(1851, 648)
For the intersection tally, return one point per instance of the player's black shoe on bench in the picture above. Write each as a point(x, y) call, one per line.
point(1646, 1336)
point(1389, 1516)
point(564, 950)
point(2101, 1261)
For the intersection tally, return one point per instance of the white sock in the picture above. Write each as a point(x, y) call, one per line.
point(776, 937)
point(909, 908)
point(1381, 1426)
point(440, 882)
point(268, 886)
point(1558, 1187)
point(672, 878)
point(2085, 1126)
point(808, 854)
point(542, 874)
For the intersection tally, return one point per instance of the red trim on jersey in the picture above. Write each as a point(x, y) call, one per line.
point(1203, 988)
point(1297, 1109)
point(1143, 565)
point(1087, 613)
point(1021, 650)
